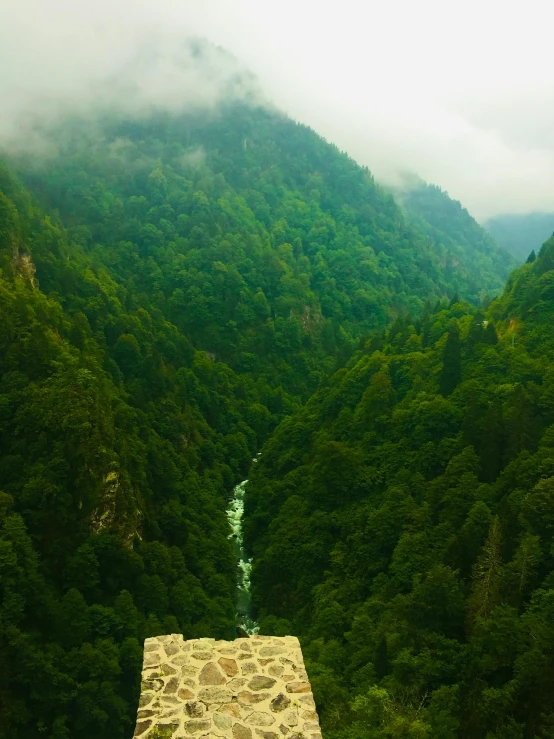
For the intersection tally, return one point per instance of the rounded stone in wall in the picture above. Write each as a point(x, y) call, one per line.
point(195, 709)
point(280, 703)
point(199, 693)
point(261, 682)
point(210, 675)
point(223, 721)
point(229, 666)
point(203, 656)
point(260, 718)
point(215, 695)
point(241, 732)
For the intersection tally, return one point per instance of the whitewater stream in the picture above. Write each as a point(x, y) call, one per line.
point(235, 512)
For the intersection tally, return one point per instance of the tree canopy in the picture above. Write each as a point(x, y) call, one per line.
point(172, 288)
point(401, 524)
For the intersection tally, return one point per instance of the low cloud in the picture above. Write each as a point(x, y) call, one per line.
point(459, 93)
point(159, 72)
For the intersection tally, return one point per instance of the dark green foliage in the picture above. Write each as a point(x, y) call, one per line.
point(259, 241)
point(451, 373)
point(197, 277)
point(402, 523)
point(460, 240)
point(119, 447)
point(490, 336)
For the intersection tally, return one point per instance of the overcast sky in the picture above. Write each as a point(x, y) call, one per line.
point(461, 93)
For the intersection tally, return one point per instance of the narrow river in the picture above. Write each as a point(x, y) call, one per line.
point(235, 512)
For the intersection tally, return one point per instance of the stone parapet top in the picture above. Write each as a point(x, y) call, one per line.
point(249, 688)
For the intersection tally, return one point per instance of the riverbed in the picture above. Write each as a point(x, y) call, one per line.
point(235, 512)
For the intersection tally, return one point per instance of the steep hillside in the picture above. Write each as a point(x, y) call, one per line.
point(173, 287)
point(261, 242)
point(458, 238)
point(401, 524)
point(521, 234)
point(119, 444)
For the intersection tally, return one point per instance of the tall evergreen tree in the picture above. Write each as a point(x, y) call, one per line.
point(442, 517)
point(492, 441)
point(476, 330)
point(486, 576)
point(490, 337)
point(451, 373)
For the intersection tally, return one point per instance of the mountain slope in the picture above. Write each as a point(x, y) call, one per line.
point(263, 243)
point(184, 282)
point(401, 525)
point(521, 234)
point(458, 237)
point(119, 444)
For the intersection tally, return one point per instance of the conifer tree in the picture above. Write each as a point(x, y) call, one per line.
point(451, 374)
point(492, 444)
point(476, 330)
point(490, 336)
point(486, 575)
point(382, 665)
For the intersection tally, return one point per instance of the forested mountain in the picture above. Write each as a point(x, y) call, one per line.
point(171, 288)
point(521, 234)
point(457, 236)
point(401, 524)
point(261, 242)
point(119, 445)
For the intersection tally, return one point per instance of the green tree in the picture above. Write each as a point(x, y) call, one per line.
point(486, 575)
point(451, 372)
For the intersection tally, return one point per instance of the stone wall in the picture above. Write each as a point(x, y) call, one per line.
point(251, 688)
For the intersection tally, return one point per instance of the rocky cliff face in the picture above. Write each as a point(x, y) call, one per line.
point(242, 689)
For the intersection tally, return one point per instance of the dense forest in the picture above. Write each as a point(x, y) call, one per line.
point(520, 234)
point(261, 242)
point(172, 288)
point(119, 443)
point(453, 231)
point(401, 524)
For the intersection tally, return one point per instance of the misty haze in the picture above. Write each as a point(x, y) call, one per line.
point(276, 364)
